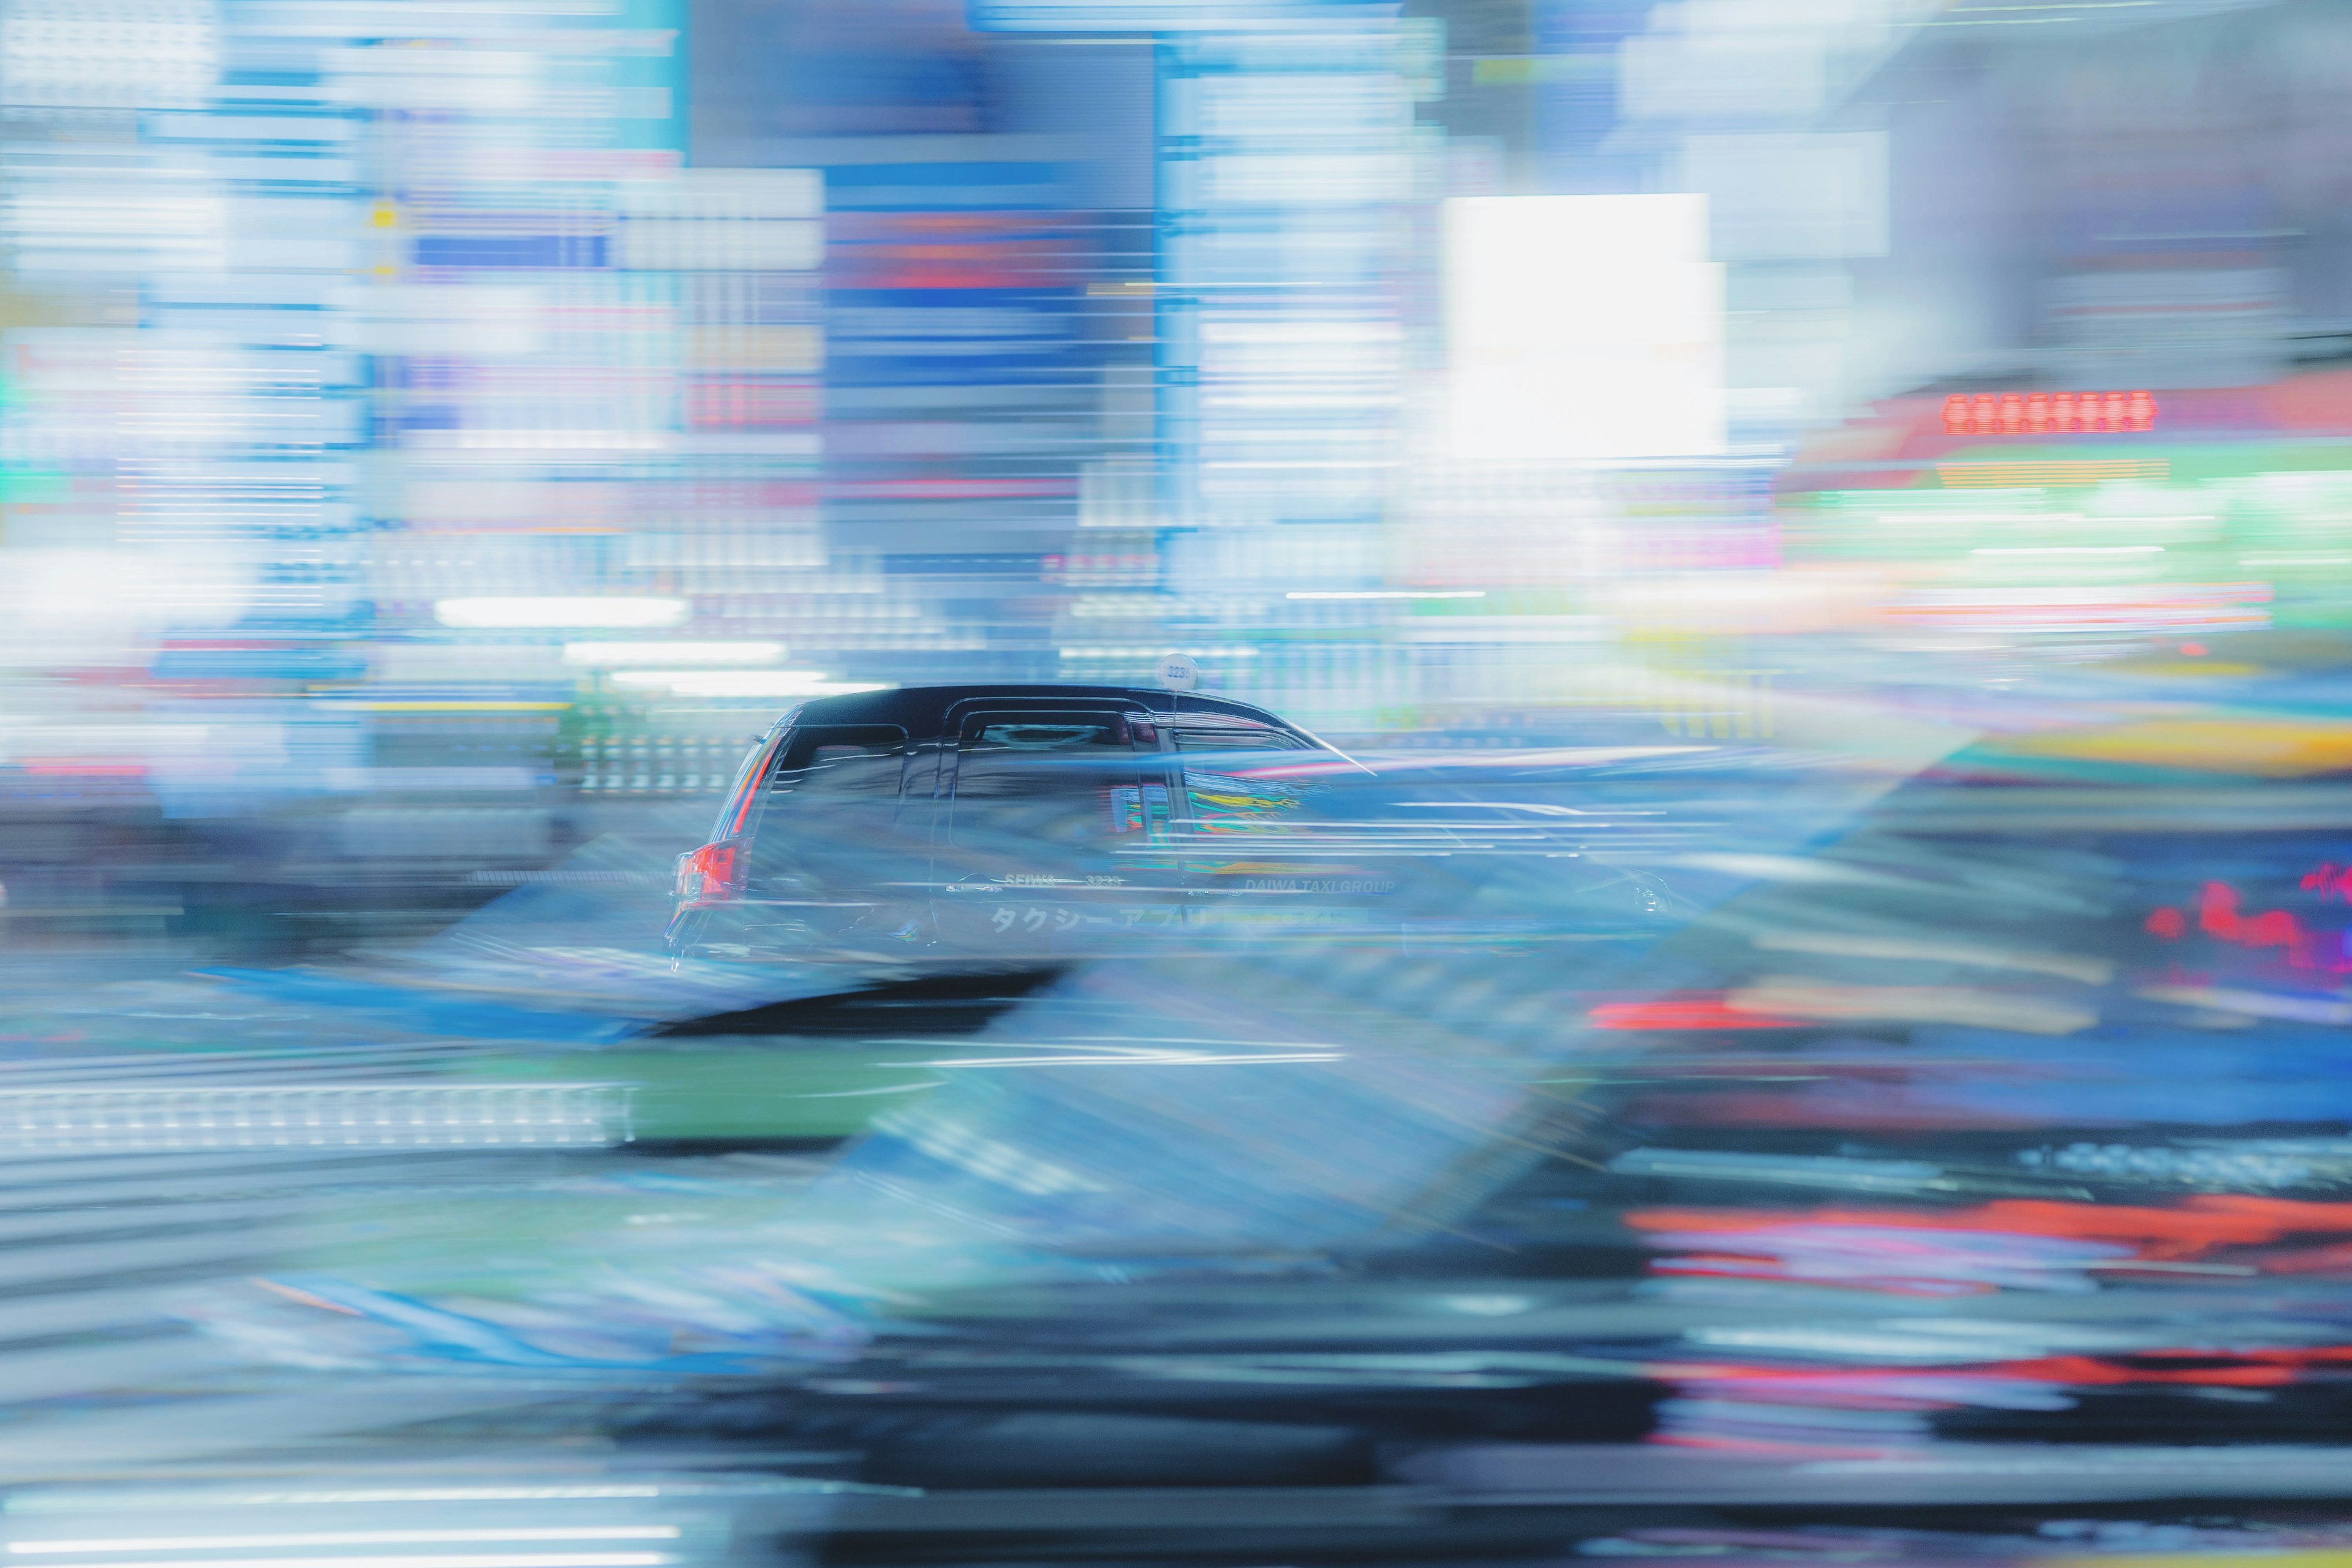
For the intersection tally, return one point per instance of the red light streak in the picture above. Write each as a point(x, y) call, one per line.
point(2218, 916)
point(2226, 1369)
point(2205, 1222)
point(2047, 413)
point(2260, 1368)
point(1685, 1013)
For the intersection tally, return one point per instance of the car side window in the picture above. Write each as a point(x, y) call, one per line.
point(843, 763)
point(1055, 777)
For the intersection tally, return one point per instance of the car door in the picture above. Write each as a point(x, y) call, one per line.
point(1057, 829)
point(836, 856)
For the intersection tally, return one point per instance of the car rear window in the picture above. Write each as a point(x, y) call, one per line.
point(857, 761)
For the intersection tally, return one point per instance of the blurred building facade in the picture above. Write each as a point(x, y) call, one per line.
point(442, 431)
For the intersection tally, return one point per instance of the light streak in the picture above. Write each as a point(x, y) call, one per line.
point(2073, 550)
point(497, 614)
point(745, 682)
point(432, 1559)
point(349, 1538)
point(616, 653)
point(1388, 593)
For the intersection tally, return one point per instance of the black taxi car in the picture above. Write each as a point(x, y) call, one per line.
point(1024, 819)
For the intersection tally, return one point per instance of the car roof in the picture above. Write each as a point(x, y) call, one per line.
point(922, 711)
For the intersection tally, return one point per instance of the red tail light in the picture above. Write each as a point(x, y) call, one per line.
point(711, 874)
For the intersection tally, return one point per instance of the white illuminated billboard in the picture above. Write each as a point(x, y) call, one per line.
point(1582, 327)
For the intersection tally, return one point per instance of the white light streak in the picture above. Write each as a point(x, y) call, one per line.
point(82, 1502)
point(2072, 550)
point(1166, 1051)
point(1391, 593)
point(1536, 809)
point(620, 653)
point(492, 614)
point(745, 682)
point(1156, 653)
point(349, 1538)
point(430, 1560)
point(1934, 514)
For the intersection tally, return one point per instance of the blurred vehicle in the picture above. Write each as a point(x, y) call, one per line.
point(1025, 823)
point(1014, 820)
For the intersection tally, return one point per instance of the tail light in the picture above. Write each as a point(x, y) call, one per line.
point(712, 874)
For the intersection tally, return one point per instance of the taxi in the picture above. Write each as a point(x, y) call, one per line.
point(1028, 821)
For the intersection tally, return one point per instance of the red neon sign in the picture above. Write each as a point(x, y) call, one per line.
point(2219, 916)
point(2047, 413)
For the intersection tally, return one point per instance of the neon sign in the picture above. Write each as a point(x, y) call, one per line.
point(2218, 915)
point(2047, 413)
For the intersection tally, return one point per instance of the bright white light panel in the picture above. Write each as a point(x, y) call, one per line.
point(1582, 327)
